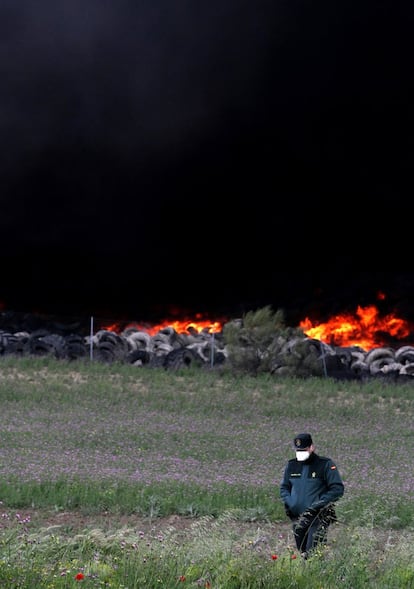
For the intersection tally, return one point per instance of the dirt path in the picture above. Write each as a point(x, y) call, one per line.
point(72, 522)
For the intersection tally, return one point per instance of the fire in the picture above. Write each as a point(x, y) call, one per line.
point(365, 329)
point(180, 326)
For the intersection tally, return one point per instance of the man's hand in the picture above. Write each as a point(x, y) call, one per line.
point(318, 505)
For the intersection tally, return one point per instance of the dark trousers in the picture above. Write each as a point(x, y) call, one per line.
point(309, 531)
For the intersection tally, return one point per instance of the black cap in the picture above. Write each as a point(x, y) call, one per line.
point(302, 441)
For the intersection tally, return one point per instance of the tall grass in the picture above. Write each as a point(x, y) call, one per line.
point(118, 439)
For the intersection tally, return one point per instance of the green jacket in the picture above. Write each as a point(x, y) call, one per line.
point(310, 484)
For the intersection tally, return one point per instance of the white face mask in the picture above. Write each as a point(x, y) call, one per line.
point(302, 455)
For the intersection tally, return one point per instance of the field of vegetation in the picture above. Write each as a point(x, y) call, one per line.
point(129, 477)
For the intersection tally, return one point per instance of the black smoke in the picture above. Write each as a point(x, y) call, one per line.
point(215, 156)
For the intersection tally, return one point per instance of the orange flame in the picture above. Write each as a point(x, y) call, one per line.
point(180, 326)
point(365, 329)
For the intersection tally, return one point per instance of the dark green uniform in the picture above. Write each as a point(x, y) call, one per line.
point(308, 490)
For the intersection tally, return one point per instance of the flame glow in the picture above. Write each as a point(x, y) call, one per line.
point(180, 326)
point(365, 329)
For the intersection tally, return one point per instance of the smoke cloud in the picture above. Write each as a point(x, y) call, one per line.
point(135, 132)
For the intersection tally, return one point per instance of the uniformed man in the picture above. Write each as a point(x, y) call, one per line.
point(310, 486)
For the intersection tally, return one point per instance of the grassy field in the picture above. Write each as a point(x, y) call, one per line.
point(120, 476)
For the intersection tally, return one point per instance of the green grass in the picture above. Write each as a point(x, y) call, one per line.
point(94, 439)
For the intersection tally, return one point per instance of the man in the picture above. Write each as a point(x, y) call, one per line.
point(310, 486)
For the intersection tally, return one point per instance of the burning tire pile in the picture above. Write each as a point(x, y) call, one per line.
point(168, 349)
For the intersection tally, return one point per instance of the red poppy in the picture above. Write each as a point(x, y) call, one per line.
point(294, 556)
point(274, 557)
point(181, 578)
point(79, 576)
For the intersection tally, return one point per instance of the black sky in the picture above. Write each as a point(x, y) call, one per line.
point(212, 157)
